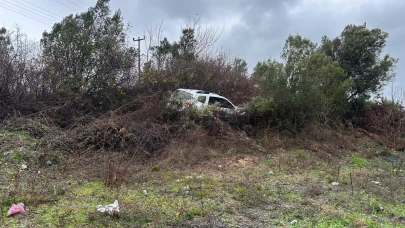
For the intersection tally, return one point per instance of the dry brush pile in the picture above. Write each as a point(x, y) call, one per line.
point(139, 126)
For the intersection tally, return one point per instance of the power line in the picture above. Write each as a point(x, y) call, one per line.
point(41, 8)
point(65, 5)
point(44, 17)
point(30, 11)
point(16, 10)
point(81, 8)
point(83, 3)
point(35, 19)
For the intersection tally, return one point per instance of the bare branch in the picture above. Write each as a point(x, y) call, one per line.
point(153, 36)
point(205, 35)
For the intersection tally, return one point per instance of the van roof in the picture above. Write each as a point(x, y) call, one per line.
point(198, 91)
point(203, 92)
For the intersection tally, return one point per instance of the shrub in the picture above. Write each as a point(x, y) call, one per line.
point(384, 117)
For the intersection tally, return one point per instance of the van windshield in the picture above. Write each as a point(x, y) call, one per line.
point(182, 95)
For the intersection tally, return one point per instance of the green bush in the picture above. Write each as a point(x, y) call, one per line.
point(307, 88)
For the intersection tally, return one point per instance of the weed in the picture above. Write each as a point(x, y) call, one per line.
point(155, 168)
point(17, 155)
point(239, 192)
point(358, 161)
point(259, 187)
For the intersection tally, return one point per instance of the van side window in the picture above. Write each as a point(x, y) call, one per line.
point(202, 99)
point(222, 102)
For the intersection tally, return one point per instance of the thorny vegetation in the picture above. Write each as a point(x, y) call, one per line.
point(91, 129)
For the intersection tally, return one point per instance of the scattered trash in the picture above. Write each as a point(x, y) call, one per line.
point(8, 152)
point(16, 208)
point(379, 209)
point(271, 172)
point(335, 183)
point(48, 163)
point(392, 160)
point(24, 166)
point(293, 222)
point(376, 182)
point(178, 180)
point(189, 177)
point(145, 192)
point(186, 189)
point(112, 209)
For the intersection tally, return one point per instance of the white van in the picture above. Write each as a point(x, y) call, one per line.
point(201, 98)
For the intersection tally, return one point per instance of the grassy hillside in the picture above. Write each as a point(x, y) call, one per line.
point(82, 124)
point(278, 182)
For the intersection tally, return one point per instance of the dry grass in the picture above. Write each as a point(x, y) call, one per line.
point(204, 180)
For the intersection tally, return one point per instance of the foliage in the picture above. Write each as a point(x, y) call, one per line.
point(323, 83)
point(84, 76)
point(5, 50)
point(383, 117)
point(18, 76)
point(184, 49)
point(358, 50)
point(87, 53)
point(308, 87)
point(179, 65)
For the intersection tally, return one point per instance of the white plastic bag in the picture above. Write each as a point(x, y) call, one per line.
point(112, 209)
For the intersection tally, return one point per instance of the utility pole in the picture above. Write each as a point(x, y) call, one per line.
point(139, 53)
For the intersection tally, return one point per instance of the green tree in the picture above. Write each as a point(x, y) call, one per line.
point(184, 49)
point(187, 44)
point(358, 51)
point(187, 63)
point(308, 87)
point(177, 60)
point(87, 52)
point(295, 50)
point(6, 74)
point(164, 52)
point(17, 63)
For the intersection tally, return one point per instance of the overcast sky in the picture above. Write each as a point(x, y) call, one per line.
point(252, 29)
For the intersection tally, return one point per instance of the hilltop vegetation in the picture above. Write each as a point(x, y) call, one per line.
point(77, 100)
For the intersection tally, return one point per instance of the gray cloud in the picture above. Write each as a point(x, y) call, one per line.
point(260, 36)
point(256, 29)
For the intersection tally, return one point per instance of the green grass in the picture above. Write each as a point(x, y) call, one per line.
point(288, 189)
point(358, 161)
